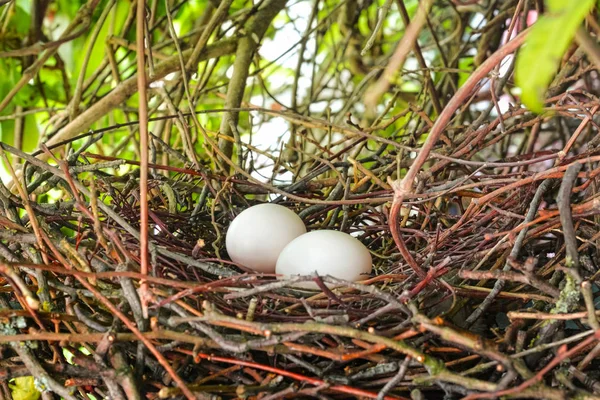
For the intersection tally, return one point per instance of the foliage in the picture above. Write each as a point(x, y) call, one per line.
point(23, 388)
point(548, 41)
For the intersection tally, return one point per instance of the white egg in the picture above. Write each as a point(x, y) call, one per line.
point(256, 236)
point(328, 253)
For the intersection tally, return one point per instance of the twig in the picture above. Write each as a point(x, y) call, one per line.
point(403, 367)
point(566, 219)
point(381, 15)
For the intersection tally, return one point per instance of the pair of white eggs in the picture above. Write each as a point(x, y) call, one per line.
point(271, 238)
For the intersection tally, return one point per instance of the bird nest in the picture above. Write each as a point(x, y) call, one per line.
point(484, 279)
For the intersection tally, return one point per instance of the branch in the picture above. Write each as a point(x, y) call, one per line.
point(128, 87)
point(243, 58)
point(566, 217)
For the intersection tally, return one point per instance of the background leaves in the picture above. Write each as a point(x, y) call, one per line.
point(545, 46)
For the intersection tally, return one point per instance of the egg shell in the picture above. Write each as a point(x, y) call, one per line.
point(257, 235)
point(328, 253)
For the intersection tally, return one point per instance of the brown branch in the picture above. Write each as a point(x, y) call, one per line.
point(143, 129)
point(566, 217)
point(248, 44)
point(531, 280)
point(404, 187)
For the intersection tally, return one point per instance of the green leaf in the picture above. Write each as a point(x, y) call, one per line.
point(31, 134)
point(21, 19)
point(24, 388)
point(7, 132)
point(464, 64)
point(69, 7)
point(549, 39)
point(8, 81)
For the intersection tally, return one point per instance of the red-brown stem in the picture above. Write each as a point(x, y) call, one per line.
point(159, 357)
point(578, 132)
point(143, 126)
point(313, 381)
point(393, 223)
point(405, 187)
point(126, 321)
point(454, 104)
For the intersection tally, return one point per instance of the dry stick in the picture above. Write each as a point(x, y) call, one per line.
point(180, 122)
point(572, 256)
point(395, 380)
point(242, 172)
point(32, 301)
point(16, 280)
point(35, 368)
point(435, 101)
point(566, 217)
point(97, 224)
point(216, 20)
point(282, 393)
point(269, 287)
point(514, 253)
point(562, 355)
point(27, 205)
point(221, 154)
point(588, 381)
point(405, 186)
point(556, 172)
point(454, 104)
point(118, 41)
point(182, 127)
point(360, 393)
point(474, 344)
point(532, 280)
point(586, 208)
point(192, 62)
point(211, 269)
point(557, 343)
point(588, 297)
point(219, 16)
point(215, 317)
point(432, 364)
point(143, 129)
point(115, 337)
point(584, 122)
point(381, 15)
point(589, 357)
point(125, 376)
point(37, 48)
point(110, 275)
point(317, 124)
point(130, 325)
point(299, 63)
point(512, 315)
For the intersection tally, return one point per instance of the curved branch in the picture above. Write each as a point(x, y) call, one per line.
point(405, 186)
